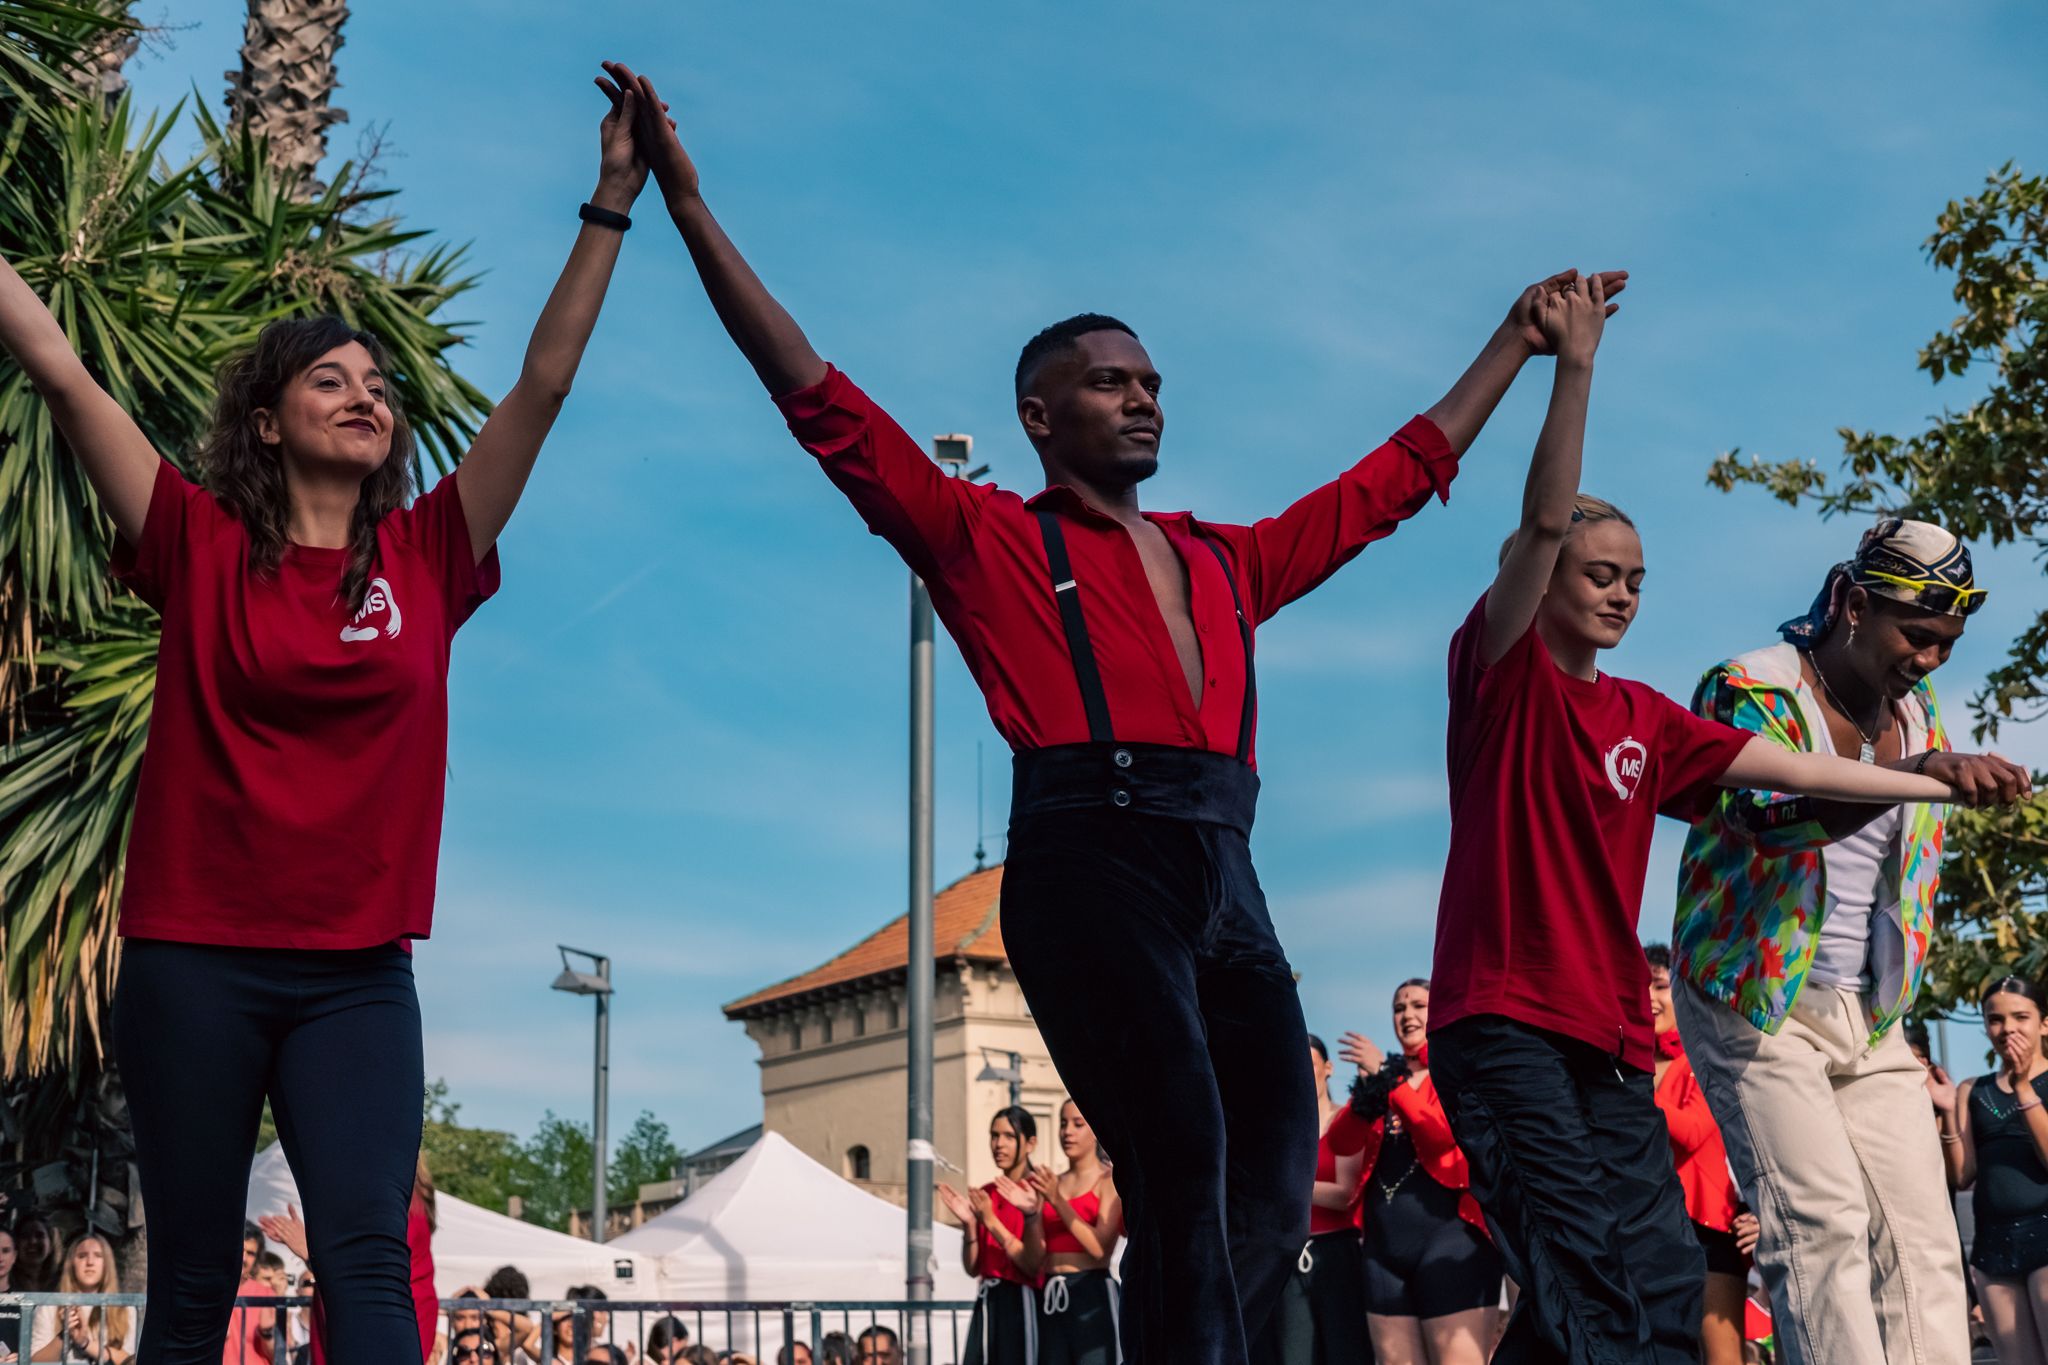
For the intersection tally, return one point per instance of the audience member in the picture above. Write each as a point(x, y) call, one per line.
point(35, 1267)
point(836, 1348)
point(666, 1341)
point(105, 1336)
point(10, 1318)
point(796, 1353)
point(253, 1246)
point(516, 1335)
point(878, 1344)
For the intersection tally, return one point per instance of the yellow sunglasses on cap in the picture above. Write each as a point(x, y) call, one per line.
point(1935, 596)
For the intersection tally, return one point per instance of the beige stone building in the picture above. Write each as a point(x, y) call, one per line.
point(834, 1048)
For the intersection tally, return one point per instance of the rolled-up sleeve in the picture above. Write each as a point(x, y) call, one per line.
point(895, 487)
point(1288, 555)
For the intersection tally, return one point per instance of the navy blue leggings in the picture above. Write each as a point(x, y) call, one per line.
point(332, 1037)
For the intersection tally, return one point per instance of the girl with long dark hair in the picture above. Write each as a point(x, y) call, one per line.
point(993, 1249)
point(1994, 1140)
point(1432, 1276)
point(288, 810)
point(1073, 1241)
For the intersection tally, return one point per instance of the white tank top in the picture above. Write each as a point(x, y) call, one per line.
point(1855, 870)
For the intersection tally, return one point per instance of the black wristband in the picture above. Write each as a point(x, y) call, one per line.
point(591, 213)
point(1920, 768)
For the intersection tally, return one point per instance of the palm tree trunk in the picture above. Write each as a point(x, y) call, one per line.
point(287, 77)
point(99, 65)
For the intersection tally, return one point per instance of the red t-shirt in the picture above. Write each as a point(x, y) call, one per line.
point(1556, 784)
point(290, 795)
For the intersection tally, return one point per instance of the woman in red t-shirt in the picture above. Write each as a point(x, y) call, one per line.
point(1727, 1232)
point(1072, 1243)
point(1540, 1038)
point(287, 814)
point(1319, 1320)
point(1005, 1326)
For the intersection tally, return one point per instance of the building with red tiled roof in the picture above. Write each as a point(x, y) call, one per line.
point(834, 1048)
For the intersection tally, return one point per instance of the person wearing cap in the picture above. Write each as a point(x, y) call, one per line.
point(1800, 939)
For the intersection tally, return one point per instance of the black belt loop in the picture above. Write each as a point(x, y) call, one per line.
point(1068, 594)
point(1244, 629)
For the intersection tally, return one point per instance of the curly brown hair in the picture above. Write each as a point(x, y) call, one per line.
point(248, 476)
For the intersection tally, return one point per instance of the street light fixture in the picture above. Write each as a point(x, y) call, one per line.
point(1012, 1073)
point(597, 984)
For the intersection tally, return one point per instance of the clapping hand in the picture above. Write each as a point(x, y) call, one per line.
point(1361, 1052)
point(286, 1227)
point(1022, 1196)
point(956, 1204)
point(656, 133)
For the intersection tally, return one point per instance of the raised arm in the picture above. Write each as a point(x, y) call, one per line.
point(1767, 767)
point(1570, 313)
point(495, 471)
point(765, 333)
point(117, 457)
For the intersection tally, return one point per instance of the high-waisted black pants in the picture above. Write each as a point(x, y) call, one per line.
point(1140, 937)
point(203, 1034)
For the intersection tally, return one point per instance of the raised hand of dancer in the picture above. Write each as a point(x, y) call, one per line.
point(1572, 318)
point(1048, 1186)
point(956, 1204)
point(1021, 1196)
point(660, 142)
point(984, 1207)
point(1525, 317)
point(1361, 1052)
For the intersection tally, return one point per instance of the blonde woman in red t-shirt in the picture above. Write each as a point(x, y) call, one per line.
point(288, 807)
point(1540, 1037)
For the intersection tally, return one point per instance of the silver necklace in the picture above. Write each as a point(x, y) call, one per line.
point(1868, 753)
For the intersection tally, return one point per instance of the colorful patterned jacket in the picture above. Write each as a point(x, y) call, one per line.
point(1751, 882)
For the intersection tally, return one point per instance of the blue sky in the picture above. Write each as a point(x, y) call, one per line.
point(679, 732)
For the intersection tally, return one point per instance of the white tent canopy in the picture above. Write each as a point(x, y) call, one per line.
point(775, 1225)
point(471, 1242)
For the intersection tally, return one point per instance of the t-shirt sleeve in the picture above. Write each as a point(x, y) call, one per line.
point(151, 568)
point(1474, 684)
point(1692, 753)
point(440, 533)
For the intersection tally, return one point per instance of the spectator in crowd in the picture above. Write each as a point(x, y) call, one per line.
point(36, 1266)
point(104, 1336)
point(305, 1320)
point(992, 1244)
point(562, 1326)
point(667, 1340)
point(1432, 1274)
point(10, 1318)
point(878, 1343)
point(1073, 1242)
point(699, 1354)
point(1320, 1319)
point(270, 1271)
point(471, 1346)
point(1726, 1231)
point(836, 1348)
point(515, 1334)
point(796, 1353)
point(253, 1246)
point(1994, 1137)
point(462, 1320)
point(606, 1354)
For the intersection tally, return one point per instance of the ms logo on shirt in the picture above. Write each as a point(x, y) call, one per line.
point(379, 616)
point(1625, 767)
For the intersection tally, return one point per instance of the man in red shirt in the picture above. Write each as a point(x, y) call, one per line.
point(1114, 649)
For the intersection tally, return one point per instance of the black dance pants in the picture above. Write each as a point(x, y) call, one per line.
point(1004, 1329)
point(1140, 937)
point(1321, 1317)
point(1571, 1163)
point(332, 1037)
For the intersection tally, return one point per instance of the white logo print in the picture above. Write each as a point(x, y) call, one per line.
point(378, 599)
point(1625, 768)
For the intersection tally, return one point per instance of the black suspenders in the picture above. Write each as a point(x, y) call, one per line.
point(1093, 699)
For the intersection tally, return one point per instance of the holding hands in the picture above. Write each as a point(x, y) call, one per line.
point(654, 132)
point(1535, 321)
point(1976, 779)
point(1572, 316)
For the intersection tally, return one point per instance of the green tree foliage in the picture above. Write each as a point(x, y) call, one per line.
point(644, 1156)
point(1982, 471)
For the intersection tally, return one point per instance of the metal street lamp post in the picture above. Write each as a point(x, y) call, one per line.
point(597, 985)
point(1012, 1072)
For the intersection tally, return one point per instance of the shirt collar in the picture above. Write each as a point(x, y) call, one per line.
point(1062, 497)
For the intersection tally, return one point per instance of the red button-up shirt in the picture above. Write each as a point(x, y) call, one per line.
point(980, 551)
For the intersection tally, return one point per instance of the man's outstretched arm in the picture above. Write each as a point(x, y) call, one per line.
point(763, 330)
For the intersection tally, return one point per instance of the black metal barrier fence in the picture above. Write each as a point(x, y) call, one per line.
point(502, 1331)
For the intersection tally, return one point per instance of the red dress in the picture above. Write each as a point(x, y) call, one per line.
point(1702, 1160)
